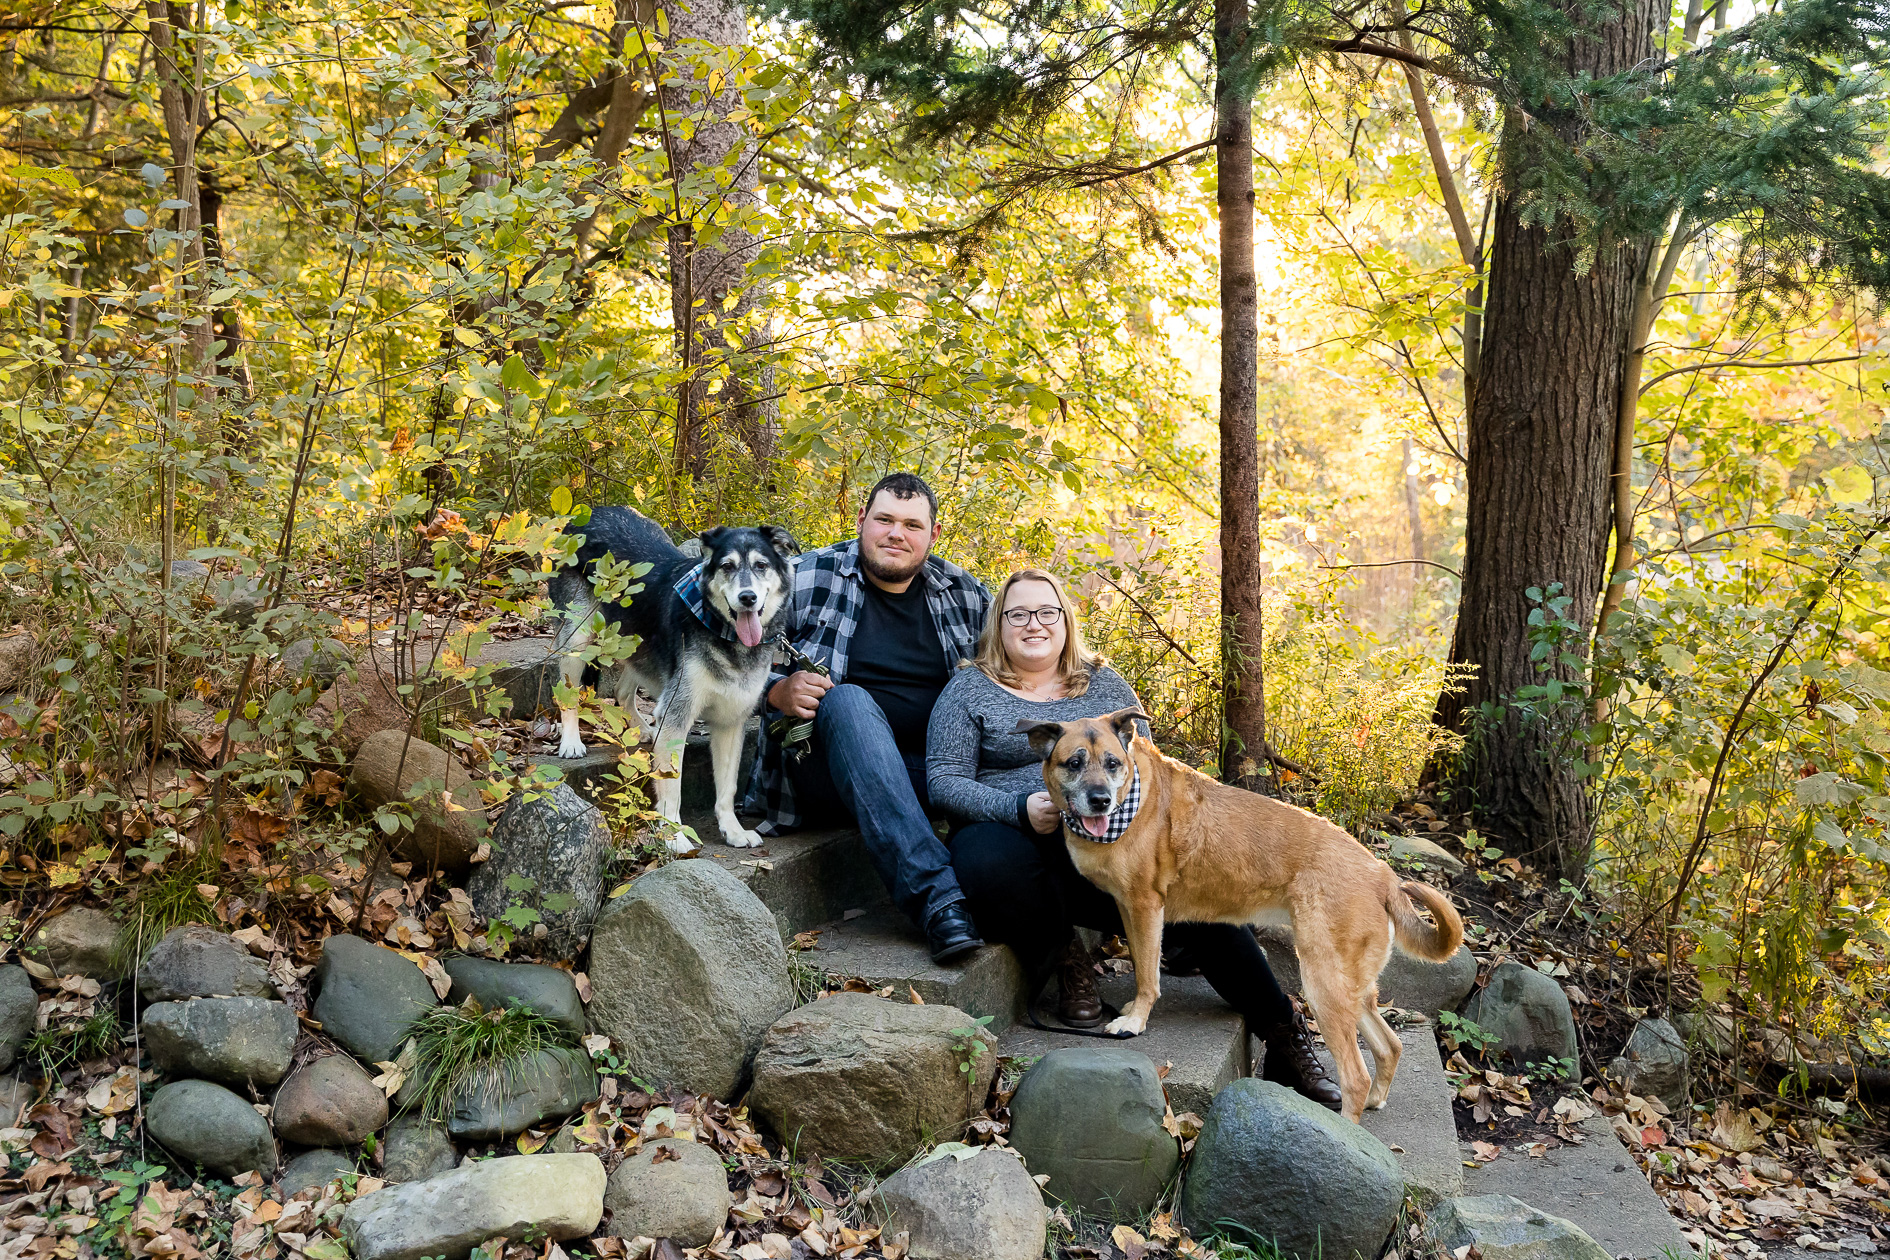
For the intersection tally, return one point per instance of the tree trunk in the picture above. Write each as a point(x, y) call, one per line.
point(1244, 730)
point(1541, 453)
point(711, 251)
point(180, 72)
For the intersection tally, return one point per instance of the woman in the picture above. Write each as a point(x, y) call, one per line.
point(1008, 848)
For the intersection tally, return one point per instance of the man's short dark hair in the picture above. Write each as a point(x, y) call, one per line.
point(904, 485)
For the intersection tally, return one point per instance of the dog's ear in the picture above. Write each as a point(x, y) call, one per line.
point(706, 540)
point(1043, 735)
point(781, 540)
point(1123, 720)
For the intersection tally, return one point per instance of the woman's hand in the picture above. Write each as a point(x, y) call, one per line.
point(1043, 814)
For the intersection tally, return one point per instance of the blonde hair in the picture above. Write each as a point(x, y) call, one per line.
point(1074, 665)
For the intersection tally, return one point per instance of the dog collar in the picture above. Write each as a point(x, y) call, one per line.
point(1119, 818)
point(689, 590)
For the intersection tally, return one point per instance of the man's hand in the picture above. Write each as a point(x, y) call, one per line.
point(798, 695)
point(1043, 814)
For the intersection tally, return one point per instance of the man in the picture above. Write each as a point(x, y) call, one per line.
point(890, 622)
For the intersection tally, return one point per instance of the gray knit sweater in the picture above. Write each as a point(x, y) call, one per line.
point(976, 769)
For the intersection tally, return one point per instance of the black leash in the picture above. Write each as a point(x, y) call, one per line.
point(795, 735)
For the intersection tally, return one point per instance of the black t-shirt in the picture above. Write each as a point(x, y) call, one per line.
point(896, 656)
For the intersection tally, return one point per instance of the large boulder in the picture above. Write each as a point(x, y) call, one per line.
point(1528, 1014)
point(311, 1170)
point(1420, 851)
point(196, 960)
point(366, 698)
point(856, 1077)
point(1428, 987)
point(1091, 1118)
point(449, 818)
point(687, 972)
point(1501, 1227)
point(202, 1123)
point(669, 1189)
point(964, 1203)
point(329, 1102)
point(548, 990)
point(540, 1197)
point(415, 1148)
point(557, 840)
point(79, 942)
point(1655, 1063)
point(318, 660)
point(239, 1040)
point(19, 1009)
point(546, 1085)
point(367, 995)
point(1287, 1171)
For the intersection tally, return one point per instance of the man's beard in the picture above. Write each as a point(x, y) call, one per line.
point(879, 569)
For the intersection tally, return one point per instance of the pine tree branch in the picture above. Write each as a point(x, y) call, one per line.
point(1176, 156)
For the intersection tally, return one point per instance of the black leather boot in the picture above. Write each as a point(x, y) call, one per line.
point(1293, 1061)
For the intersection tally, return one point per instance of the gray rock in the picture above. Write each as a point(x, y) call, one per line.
point(329, 1102)
point(238, 1040)
point(548, 1085)
point(1428, 987)
point(239, 599)
point(1655, 1063)
point(1527, 1012)
point(1426, 853)
point(202, 1123)
point(687, 972)
point(189, 570)
point(1709, 1030)
point(79, 942)
point(685, 1198)
point(415, 1148)
point(1292, 1173)
point(1505, 1228)
point(321, 660)
point(16, 659)
point(1091, 1118)
point(366, 996)
point(856, 1077)
point(982, 1207)
point(196, 960)
point(558, 841)
point(547, 990)
point(19, 1008)
point(557, 1197)
point(311, 1170)
point(388, 766)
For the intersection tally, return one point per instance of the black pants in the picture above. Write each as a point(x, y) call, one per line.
point(1024, 891)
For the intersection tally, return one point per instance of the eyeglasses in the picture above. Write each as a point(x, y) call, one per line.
point(1045, 617)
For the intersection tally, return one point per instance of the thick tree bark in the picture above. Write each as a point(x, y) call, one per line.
point(1243, 757)
point(1540, 458)
point(709, 257)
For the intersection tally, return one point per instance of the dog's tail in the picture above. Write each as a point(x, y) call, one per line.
point(1415, 936)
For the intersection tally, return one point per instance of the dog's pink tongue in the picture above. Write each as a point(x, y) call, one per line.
point(1096, 826)
point(748, 628)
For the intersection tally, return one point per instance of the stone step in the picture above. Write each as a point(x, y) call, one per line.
point(806, 879)
point(585, 774)
point(1597, 1185)
point(1200, 1038)
point(1416, 1121)
point(882, 948)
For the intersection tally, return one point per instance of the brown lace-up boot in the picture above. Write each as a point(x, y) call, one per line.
point(1293, 1061)
point(1078, 1003)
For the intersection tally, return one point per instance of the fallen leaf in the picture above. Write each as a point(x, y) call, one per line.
point(1485, 1151)
point(43, 1171)
point(916, 999)
point(531, 1142)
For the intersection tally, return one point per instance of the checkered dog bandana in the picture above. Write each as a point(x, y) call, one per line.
point(1119, 818)
point(689, 590)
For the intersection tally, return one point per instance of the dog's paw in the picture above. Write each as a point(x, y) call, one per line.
point(736, 836)
point(681, 844)
point(1126, 1025)
point(571, 746)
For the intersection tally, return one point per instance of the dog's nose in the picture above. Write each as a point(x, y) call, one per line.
point(748, 599)
point(1098, 802)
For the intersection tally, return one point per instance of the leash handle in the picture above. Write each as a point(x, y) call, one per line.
point(796, 735)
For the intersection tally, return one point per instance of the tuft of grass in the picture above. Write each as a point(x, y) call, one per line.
point(58, 1047)
point(169, 899)
point(461, 1048)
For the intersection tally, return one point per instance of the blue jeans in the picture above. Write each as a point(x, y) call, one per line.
point(856, 768)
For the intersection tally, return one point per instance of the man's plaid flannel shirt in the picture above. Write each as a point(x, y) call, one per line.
point(823, 613)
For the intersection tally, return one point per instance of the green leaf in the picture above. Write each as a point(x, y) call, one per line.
point(561, 501)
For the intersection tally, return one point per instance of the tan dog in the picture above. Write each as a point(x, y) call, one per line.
point(1199, 851)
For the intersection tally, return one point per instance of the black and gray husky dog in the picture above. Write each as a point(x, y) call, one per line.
point(704, 624)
